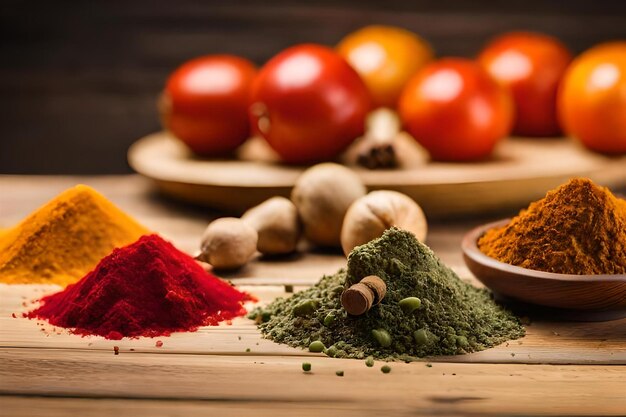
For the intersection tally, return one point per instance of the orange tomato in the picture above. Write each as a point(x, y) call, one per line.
point(455, 110)
point(385, 57)
point(531, 66)
point(592, 98)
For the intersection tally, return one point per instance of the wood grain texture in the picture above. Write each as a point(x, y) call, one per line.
point(43, 373)
point(260, 384)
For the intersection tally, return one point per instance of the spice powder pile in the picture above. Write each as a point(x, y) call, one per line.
point(148, 288)
point(64, 239)
point(454, 316)
point(578, 228)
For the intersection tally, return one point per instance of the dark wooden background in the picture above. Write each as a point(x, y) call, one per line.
point(79, 78)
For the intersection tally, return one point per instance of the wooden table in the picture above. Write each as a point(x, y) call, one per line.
point(557, 369)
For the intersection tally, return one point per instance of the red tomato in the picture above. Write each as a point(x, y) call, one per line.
point(455, 110)
point(592, 98)
point(531, 65)
point(309, 104)
point(205, 103)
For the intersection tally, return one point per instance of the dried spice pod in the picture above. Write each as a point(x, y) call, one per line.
point(376, 149)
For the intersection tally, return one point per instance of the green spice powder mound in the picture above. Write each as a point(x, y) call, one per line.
point(454, 316)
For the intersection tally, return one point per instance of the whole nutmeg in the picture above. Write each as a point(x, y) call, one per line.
point(369, 217)
point(228, 243)
point(322, 195)
point(276, 221)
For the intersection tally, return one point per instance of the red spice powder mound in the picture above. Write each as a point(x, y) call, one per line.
point(148, 288)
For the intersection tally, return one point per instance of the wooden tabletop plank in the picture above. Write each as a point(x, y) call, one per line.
point(469, 388)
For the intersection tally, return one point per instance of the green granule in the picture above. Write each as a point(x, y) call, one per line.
point(453, 316)
point(316, 346)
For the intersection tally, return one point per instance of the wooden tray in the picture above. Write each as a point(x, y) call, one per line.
point(522, 170)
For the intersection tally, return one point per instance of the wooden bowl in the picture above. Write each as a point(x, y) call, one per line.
point(589, 297)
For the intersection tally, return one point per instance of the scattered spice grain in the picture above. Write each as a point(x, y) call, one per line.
point(316, 346)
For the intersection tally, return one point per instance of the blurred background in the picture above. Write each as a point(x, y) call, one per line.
point(80, 79)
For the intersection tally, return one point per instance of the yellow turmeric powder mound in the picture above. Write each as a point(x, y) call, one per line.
point(63, 240)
